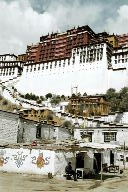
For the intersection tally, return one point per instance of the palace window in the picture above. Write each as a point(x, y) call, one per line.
point(110, 136)
point(55, 64)
point(68, 61)
point(59, 63)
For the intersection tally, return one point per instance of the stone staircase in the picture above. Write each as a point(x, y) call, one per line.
point(8, 91)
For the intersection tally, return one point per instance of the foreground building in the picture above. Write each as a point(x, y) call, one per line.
point(53, 158)
point(29, 140)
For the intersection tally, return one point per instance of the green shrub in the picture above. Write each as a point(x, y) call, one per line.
point(48, 95)
point(5, 102)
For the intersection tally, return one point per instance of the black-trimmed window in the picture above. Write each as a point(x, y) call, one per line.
point(109, 136)
point(86, 134)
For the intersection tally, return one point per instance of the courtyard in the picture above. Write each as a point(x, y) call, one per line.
point(11, 182)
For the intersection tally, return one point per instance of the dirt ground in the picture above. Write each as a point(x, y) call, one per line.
point(10, 182)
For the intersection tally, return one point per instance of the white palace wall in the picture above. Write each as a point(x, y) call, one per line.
point(118, 78)
point(94, 76)
point(90, 77)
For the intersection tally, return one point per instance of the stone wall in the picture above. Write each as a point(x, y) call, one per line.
point(9, 123)
point(28, 131)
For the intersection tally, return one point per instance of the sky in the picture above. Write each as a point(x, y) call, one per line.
point(22, 22)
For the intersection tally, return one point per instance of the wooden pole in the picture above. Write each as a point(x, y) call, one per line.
point(124, 156)
point(101, 167)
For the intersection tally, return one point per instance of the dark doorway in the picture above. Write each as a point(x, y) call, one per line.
point(97, 162)
point(38, 132)
point(80, 160)
point(111, 158)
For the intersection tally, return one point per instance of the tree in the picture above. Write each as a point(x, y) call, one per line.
point(85, 94)
point(118, 100)
point(67, 124)
point(48, 95)
point(5, 102)
point(123, 92)
point(42, 98)
point(55, 100)
point(73, 95)
point(27, 96)
point(123, 107)
point(79, 94)
point(62, 97)
point(110, 93)
point(39, 101)
point(21, 95)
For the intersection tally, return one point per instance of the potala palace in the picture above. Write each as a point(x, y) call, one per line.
point(61, 61)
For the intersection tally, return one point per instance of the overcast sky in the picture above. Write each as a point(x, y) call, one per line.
point(22, 22)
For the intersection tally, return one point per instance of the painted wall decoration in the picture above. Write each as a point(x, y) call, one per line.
point(40, 161)
point(3, 160)
point(19, 158)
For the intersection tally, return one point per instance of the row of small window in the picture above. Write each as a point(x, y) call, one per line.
point(92, 53)
point(9, 64)
point(3, 73)
point(7, 71)
point(6, 74)
point(90, 59)
point(121, 61)
point(108, 136)
point(121, 56)
point(47, 66)
point(91, 48)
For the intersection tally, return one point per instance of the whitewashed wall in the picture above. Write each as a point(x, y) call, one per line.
point(98, 134)
point(62, 159)
point(27, 161)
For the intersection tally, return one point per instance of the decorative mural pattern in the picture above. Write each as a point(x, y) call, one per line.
point(19, 158)
point(40, 161)
point(3, 160)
